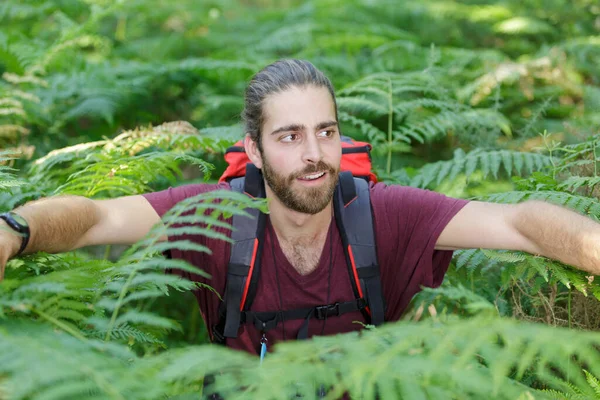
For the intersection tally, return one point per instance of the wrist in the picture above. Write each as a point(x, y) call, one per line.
point(12, 239)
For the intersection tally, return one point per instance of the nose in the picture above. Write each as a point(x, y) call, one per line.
point(312, 153)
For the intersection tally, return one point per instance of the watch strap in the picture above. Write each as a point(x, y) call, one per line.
point(22, 230)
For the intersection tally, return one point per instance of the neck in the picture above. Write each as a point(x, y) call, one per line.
point(291, 226)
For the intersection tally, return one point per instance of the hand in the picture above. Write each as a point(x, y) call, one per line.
point(9, 245)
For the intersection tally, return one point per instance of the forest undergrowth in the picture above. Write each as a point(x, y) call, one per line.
point(495, 101)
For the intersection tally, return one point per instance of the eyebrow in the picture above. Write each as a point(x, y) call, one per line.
point(300, 127)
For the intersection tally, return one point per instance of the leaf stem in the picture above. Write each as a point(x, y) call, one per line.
point(113, 318)
point(569, 306)
point(595, 159)
point(60, 324)
point(107, 252)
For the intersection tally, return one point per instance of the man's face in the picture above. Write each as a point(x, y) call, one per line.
point(301, 148)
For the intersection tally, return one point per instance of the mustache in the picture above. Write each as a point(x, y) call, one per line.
point(314, 168)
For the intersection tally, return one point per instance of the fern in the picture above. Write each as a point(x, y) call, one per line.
point(453, 299)
point(581, 204)
point(8, 179)
point(127, 163)
point(585, 52)
point(575, 182)
point(416, 119)
point(401, 360)
point(574, 392)
point(489, 162)
point(523, 266)
point(123, 177)
point(126, 334)
point(446, 362)
point(80, 294)
point(138, 279)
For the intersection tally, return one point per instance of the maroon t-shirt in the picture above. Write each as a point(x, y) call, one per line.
point(407, 223)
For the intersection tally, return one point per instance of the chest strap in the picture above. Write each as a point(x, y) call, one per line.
point(267, 320)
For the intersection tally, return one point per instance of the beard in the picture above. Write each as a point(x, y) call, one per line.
point(306, 200)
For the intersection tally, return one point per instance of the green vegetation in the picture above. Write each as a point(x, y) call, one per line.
point(494, 100)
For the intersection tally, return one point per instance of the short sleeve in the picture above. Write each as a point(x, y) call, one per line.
point(163, 201)
point(408, 221)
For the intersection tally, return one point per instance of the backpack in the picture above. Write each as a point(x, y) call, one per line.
point(353, 215)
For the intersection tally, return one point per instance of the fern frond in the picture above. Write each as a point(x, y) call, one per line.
point(361, 105)
point(489, 162)
point(469, 122)
point(11, 130)
point(525, 266)
point(372, 132)
point(24, 79)
point(120, 177)
point(383, 83)
point(431, 357)
point(212, 65)
point(65, 367)
point(97, 106)
point(67, 154)
point(13, 112)
point(127, 334)
point(575, 182)
point(475, 259)
point(136, 275)
point(456, 298)
point(125, 164)
point(593, 382)
point(581, 204)
point(8, 179)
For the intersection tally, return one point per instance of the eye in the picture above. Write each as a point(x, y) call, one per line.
point(326, 133)
point(289, 138)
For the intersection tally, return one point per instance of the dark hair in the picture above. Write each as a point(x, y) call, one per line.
point(276, 78)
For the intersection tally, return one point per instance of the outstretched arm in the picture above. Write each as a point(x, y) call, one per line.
point(62, 224)
point(536, 227)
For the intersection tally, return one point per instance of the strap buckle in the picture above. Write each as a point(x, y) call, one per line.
point(322, 312)
point(264, 326)
point(218, 336)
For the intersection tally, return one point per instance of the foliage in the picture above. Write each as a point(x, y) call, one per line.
point(433, 359)
point(494, 101)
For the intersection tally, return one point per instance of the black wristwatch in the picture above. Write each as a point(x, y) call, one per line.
point(19, 225)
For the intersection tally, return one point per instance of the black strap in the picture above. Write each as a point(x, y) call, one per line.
point(253, 182)
point(353, 214)
point(267, 320)
point(347, 188)
point(247, 230)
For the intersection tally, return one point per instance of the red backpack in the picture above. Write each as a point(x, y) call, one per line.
point(353, 215)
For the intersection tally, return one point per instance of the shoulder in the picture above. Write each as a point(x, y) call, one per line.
point(164, 200)
point(384, 193)
point(395, 203)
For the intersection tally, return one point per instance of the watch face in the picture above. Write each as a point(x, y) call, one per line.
point(18, 219)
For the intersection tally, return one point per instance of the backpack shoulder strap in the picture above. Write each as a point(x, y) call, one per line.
point(243, 269)
point(354, 217)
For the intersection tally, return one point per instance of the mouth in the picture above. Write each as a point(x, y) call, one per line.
point(316, 177)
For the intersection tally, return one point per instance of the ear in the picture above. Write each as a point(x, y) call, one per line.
point(252, 151)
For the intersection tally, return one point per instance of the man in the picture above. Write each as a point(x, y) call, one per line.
point(293, 137)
